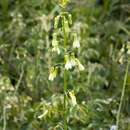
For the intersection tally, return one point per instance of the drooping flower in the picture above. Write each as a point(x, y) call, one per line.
point(76, 42)
point(68, 65)
point(80, 66)
point(56, 49)
point(70, 62)
point(53, 73)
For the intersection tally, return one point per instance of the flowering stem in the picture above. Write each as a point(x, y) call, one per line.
point(122, 96)
point(65, 81)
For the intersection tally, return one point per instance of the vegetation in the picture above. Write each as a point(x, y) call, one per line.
point(64, 65)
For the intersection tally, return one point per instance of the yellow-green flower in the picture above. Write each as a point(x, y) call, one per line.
point(80, 66)
point(53, 73)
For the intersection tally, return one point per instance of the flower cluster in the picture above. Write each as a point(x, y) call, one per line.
point(62, 29)
point(71, 61)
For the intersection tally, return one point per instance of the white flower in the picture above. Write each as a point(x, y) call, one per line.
point(53, 73)
point(56, 49)
point(113, 127)
point(80, 66)
point(70, 62)
point(76, 42)
point(68, 65)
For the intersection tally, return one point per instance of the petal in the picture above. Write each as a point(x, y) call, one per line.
point(76, 44)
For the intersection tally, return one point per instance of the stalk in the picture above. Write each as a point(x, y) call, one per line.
point(65, 81)
point(65, 100)
point(4, 117)
point(122, 96)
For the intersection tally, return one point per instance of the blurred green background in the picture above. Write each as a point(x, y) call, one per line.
point(28, 100)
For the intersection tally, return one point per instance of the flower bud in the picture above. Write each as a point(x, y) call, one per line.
point(66, 26)
point(56, 22)
point(70, 19)
point(63, 3)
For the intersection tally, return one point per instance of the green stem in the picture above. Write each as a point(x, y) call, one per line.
point(122, 96)
point(4, 117)
point(19, 81)
point(65, 100)
point(65, 80)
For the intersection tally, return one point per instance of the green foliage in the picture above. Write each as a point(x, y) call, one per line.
point(28, 100)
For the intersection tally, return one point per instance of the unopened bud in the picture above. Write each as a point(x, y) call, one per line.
point(70, 19)
point(56, 22)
